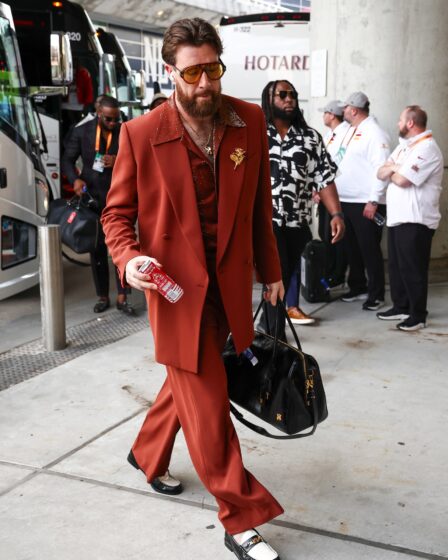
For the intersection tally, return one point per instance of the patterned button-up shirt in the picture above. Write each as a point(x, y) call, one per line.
point(299, 164)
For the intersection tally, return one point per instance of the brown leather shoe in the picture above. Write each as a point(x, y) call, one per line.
point(298, 317)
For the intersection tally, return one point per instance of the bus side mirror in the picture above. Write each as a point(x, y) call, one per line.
point(140, 84)
point(61, 59)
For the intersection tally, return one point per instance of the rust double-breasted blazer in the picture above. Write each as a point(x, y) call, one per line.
point(152, 183)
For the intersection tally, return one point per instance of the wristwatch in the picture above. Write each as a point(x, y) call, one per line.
point(337, 215)
point(373, 202)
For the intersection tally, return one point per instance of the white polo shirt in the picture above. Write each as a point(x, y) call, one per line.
point(334, 138)
point(364, 150)
point(421, 163)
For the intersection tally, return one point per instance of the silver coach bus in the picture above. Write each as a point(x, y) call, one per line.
point(24, 192)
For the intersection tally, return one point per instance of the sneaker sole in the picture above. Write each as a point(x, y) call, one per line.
point(303, 321)
point(356, 298)
point(414, 328)
point(373, 308)
point(394, 318)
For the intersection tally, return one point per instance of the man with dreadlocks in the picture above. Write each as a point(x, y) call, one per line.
point(299, 164)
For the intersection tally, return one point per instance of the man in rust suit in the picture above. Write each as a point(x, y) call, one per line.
point(195, 174)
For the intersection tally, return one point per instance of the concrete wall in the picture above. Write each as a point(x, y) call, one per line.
point(396, 52)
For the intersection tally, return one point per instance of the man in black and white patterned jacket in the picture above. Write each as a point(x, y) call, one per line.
point(299, 165)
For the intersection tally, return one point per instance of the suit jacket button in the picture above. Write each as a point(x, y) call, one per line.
point(165, 236)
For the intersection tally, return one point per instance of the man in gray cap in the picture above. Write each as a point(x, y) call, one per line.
point(333, 117)
point(362, 152)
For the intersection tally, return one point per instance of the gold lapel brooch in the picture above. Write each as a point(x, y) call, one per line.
point(238, 156)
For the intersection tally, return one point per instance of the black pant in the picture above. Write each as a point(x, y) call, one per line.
point(100, 269)
point(337, 260)
point(409, 251)
point(291, 242)
point(362, 242)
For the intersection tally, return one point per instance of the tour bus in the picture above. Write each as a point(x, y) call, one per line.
point(264, 47)
point(24, 192)
point(94, 71)
point(126, 88)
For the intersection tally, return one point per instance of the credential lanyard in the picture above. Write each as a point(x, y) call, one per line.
point(97, 141)
point(350, 139)
point(411, 146)
point(425, 137)
point(339, 156)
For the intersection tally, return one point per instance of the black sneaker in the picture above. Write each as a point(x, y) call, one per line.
point(392, 315)
point(372, 304)
point(411, 325)
point(126, 308)
point(353, 296)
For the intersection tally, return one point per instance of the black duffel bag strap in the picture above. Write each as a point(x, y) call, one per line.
point(281, 308)
point(254, 427)
point(263, 432)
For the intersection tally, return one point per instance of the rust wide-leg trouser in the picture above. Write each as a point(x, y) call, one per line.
point(199, 404)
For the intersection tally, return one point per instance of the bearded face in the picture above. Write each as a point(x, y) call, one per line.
point(403, 131)
point(200, 99)
point(285, 114)
point(199, 104)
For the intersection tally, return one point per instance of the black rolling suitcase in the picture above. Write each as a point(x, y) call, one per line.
point(314, 286)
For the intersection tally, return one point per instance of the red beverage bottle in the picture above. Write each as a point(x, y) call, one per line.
point(165, 285)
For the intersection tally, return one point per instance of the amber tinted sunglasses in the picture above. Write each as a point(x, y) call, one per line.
point(192, 74)
point(283, 93)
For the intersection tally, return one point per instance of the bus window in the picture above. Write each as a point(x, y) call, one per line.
point(34, 129)
point(12, 110)
point(110, 79)
point(18, 242)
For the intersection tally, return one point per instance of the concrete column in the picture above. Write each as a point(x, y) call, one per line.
point(394, 51)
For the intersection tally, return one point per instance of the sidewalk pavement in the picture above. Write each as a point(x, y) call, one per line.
point(371, 484)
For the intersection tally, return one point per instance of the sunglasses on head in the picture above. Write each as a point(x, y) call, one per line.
point(111, 119)
point(192, 74)
point(283, 93)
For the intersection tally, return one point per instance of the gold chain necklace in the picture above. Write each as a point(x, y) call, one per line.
point(207, 147)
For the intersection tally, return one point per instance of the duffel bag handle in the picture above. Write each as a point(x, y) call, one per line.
point(281, 308)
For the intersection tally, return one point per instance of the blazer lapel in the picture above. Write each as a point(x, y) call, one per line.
point(174, 163)
point(231, 180)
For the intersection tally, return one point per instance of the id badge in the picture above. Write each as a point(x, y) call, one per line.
point(98, 164)
point(339, 156)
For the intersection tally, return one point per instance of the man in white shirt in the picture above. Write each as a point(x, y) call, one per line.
point(414, 171)
point(333, 117)
point(362, 152)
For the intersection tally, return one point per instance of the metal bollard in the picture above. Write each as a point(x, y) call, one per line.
point(51, 288)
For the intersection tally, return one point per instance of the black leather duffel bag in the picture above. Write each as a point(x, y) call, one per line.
point(276, 382)
point(79, 223)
